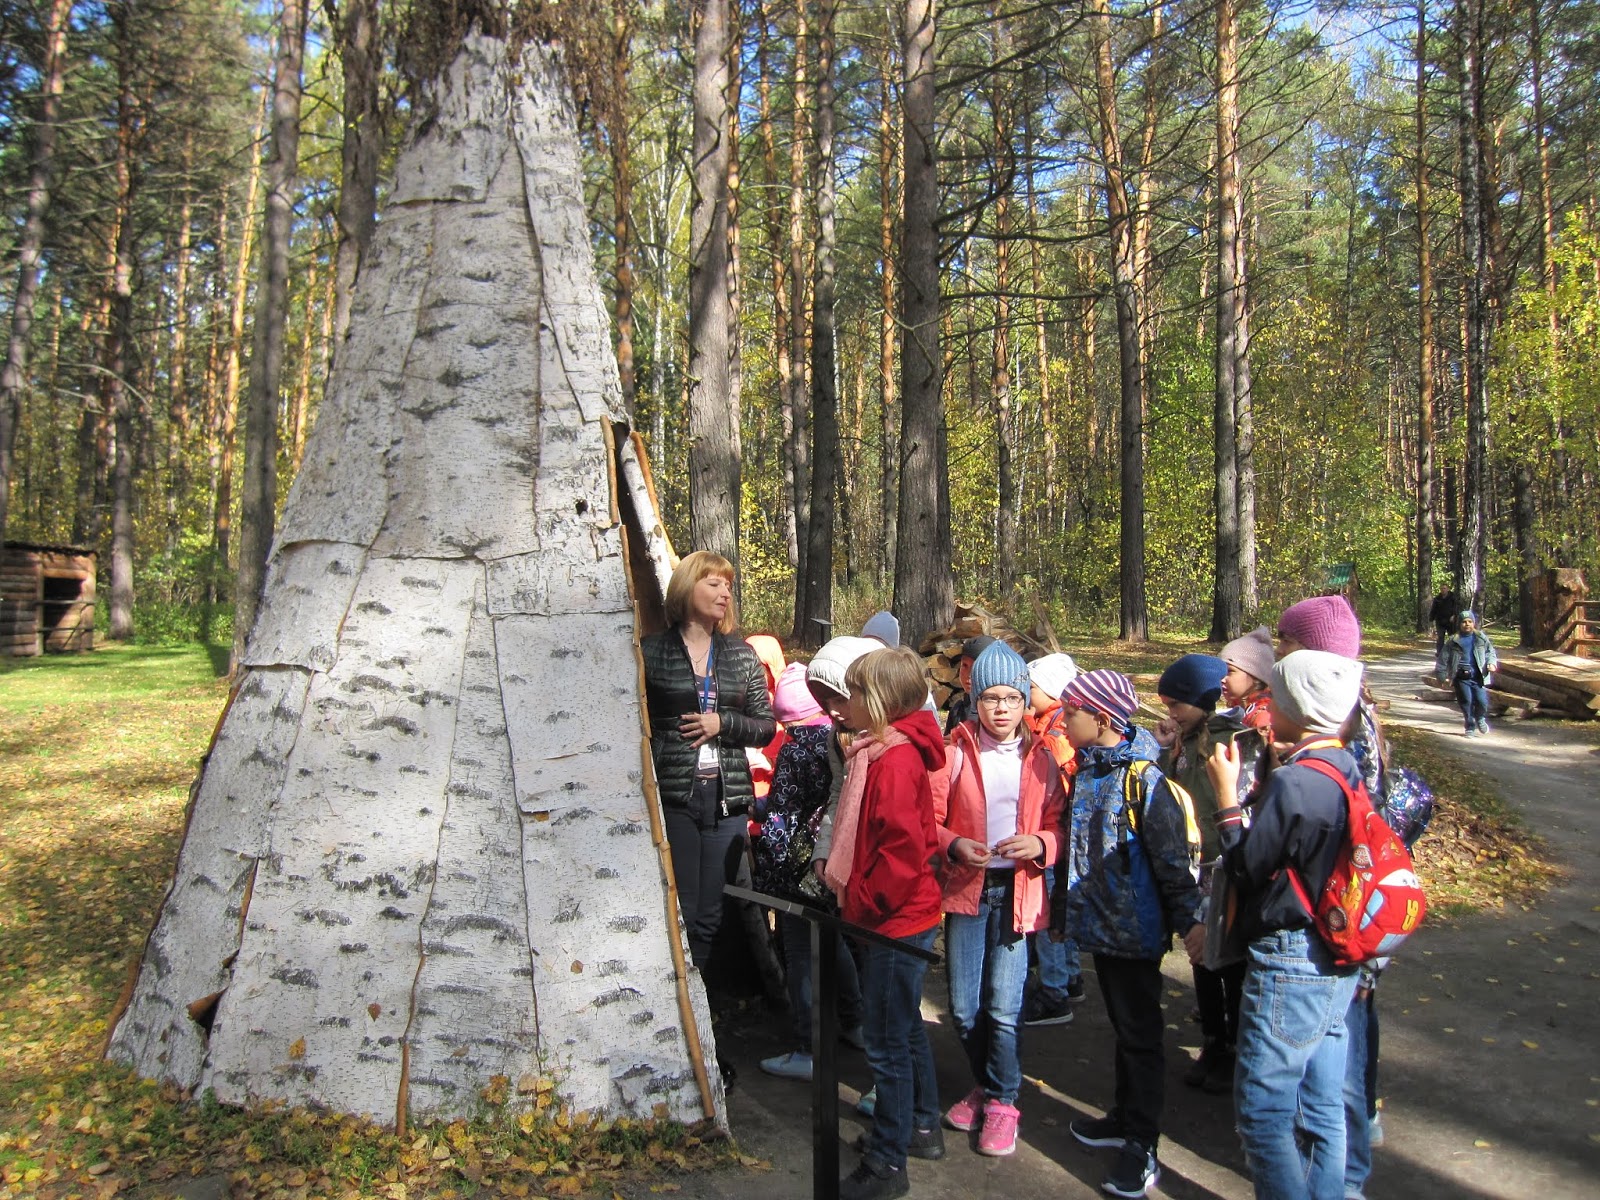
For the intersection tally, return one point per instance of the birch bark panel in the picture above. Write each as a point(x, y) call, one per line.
point(459, 472)
point(464, 142)
point(303, 605)
point(608, 1019)
point(340, 493)
point(581, 573)
point(191, 949)
point(546, 137)
point(474, 1016)
point(321, 996)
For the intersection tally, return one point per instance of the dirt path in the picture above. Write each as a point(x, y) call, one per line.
point(1490, 1035)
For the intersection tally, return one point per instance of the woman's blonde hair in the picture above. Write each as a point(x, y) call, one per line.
point(889, 684)
point(690, 571)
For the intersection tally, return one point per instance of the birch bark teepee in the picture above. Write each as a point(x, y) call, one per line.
point(424, 851)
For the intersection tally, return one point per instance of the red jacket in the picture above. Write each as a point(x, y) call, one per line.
point(965, 814)
point(892, 887)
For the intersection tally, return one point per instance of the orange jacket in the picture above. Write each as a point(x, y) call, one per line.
point(962, 812)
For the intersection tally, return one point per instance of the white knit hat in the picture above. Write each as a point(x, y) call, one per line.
point(1052, 673)
point(834, 659)
point(1316, 690)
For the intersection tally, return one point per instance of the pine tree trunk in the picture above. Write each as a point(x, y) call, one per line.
point(117, 394)
point(1000, 349)
point(14, 374)
point(1475, 498)
point(620, 143)
point(713, 454)
point(1134, 614)
point(924, 588)
point(888, 335)
point(799, 427)
point(815, 628)
point(258, 493)
point(1425, 403)
point(1226, 601)
point(360, 47)
point(778, 255)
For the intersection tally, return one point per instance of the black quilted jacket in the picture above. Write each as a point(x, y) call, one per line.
point(671, 691)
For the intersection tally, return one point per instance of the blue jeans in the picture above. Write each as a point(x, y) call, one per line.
point(797, 974)
point(1360, 1091)
point(897, 1048)
point(1058, 961)
point(988, 970)
point(1473, 698)
point(1288, 1088)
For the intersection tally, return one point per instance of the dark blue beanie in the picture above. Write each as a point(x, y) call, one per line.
point(1194, 679)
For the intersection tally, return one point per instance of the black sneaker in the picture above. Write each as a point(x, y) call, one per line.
point(872, 1182)
point(1075, 992)
point(1214, 1066)
point(1135, 1172)
point(925, 1143)
point(1047, 1008)
point(1099, 1131)
point(1219, 1075)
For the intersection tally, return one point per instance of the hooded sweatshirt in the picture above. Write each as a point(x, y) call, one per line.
point(892, 887)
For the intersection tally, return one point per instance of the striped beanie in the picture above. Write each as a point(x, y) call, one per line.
point(1108, 692)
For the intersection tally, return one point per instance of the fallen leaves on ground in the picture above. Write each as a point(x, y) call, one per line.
point(96, 758)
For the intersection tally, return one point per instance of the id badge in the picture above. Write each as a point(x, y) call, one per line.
point(708, 760)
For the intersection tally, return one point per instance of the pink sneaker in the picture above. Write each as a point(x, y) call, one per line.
point(966, 1112)
point(999, 1136)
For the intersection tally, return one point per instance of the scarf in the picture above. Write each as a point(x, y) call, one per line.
point(859, 757)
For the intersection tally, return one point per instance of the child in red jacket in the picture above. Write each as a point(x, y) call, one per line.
point(881, 867)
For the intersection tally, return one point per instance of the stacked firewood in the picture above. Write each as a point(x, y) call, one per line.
point(941, 649)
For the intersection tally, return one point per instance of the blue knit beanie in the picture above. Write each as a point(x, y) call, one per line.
point(1000, 666)
point(1194, 679)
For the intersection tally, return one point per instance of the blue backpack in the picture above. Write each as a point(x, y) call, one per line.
point(1408, 805)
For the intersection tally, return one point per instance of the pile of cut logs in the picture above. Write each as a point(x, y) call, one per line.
point(1546, 683)
point(941, 650)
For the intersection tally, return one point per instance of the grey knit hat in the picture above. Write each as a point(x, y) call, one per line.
point(1316, 690)
point(1252, 653)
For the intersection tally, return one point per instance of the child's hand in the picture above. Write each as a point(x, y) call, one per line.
point(1223, 770)
point(1195, 943)
point(969, 853)
point(1024, 847)
point(1165, 732)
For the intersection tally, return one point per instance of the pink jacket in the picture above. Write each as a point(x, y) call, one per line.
point(962, 813)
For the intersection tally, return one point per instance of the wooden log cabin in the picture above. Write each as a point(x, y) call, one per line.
point(46, 599)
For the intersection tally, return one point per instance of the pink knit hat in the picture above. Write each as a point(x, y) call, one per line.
point(793, 700)
point(1108, 692)
point(1324, 623)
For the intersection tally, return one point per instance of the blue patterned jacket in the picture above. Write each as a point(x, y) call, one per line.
point(1124, 894)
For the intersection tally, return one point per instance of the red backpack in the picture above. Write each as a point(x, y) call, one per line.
point(1373, 900)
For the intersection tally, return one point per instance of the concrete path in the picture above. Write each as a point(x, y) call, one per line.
point(1490, 1038)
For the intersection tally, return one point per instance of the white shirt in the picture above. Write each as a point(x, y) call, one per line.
point(1001, 767)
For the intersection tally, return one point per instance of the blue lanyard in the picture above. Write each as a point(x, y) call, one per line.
point(705, 686)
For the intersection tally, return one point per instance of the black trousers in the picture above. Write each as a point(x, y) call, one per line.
point(1131, 989)
point(707, 854)
point(1219, 993)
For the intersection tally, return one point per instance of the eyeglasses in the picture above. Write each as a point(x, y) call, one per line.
point(1001, 702)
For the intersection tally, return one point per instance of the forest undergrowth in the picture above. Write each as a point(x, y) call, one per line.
point(97, 753)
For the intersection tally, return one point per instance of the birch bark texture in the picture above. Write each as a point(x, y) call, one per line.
point(424, 856)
